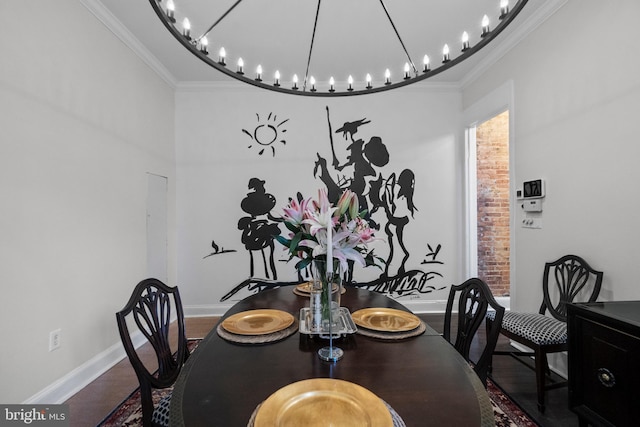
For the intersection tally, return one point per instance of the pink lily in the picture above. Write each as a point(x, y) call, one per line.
point(322, 216)
point(294, 214)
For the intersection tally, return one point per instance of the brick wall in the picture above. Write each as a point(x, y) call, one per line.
point(492, 139)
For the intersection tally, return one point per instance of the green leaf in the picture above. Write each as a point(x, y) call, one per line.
point(292, 227)
point(295, 241)
point(303, 263)
point(283, 241)
point(371, 259)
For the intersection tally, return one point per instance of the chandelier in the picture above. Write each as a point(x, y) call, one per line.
point(451, 54)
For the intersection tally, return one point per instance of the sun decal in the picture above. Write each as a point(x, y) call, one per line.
point(266, 133)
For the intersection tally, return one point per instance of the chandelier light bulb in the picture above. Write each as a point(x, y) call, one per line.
point(504, 8)
point(465, 41)
point(295, 82)
point(186, 28)
point(425, 62)
point(312, 80)
point(445, 53)
point(276, 78)
point(216, 58)
point(171, 9)
point(485, 25)
point(204, 43)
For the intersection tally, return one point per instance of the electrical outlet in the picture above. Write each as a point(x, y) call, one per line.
point(54, 340)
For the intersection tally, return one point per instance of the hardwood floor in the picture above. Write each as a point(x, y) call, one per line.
point(519, 382)
point(93, 403)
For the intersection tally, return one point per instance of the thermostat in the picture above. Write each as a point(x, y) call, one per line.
point(533, 189)
point(532, 205)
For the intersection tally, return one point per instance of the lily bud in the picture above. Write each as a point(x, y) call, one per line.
point(345, 202)
point(354, 207)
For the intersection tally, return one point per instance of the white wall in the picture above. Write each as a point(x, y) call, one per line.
point(576, 83)
point(575, 126)
point(82, 121)
point(214, 165)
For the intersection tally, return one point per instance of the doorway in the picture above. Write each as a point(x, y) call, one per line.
point(493, 216)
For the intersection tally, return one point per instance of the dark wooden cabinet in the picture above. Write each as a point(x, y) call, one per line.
point(604, 362)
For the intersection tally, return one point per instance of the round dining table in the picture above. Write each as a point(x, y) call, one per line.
point(423, 378)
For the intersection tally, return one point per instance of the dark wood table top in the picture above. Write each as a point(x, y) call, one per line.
point(423, 378)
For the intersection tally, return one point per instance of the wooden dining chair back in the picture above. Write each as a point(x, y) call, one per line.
point(566, 280)
point(149, 310)
point(474, 301)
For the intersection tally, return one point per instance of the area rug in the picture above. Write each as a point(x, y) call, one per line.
point(506, 412)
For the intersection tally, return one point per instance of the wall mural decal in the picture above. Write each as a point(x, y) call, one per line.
point(266, 133)
point(411, 283)
point(260, 227)
point(374, 194)
point(217, 250)
point(387, 196)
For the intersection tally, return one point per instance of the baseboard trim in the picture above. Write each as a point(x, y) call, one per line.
point(64, 388)
point(440, 306)
point(417, 306)
point(206, 310)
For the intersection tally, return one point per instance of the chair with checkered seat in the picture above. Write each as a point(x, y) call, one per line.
point(566, 280)
point(149, 310)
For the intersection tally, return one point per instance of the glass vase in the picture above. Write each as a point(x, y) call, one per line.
point(325, 298)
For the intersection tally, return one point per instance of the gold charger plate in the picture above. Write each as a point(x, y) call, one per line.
point(385, 319)
point(257, 322)
point(320, 402)
point(304, 289)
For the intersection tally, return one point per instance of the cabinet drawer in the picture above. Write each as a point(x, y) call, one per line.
point(606, 373)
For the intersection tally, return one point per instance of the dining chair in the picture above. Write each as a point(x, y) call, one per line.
point(149, 311)
point(474, 300)
point(566, 280)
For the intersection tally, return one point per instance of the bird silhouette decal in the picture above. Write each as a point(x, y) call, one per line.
point(218, 250)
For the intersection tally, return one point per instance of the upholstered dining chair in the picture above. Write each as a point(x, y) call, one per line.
point(566, 280)
point(474, 300)
point(149, 310)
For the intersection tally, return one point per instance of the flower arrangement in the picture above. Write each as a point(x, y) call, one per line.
point(311, 222)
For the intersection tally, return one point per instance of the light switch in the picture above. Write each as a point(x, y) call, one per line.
point(531, 222)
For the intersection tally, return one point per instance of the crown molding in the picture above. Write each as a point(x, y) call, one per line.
point(520, 32)
point(119, 30)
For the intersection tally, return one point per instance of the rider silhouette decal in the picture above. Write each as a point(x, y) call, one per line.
point(393, 195)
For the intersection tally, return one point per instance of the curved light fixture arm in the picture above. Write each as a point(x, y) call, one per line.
point(505, 19)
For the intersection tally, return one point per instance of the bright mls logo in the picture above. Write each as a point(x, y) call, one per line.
point(37, 415)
